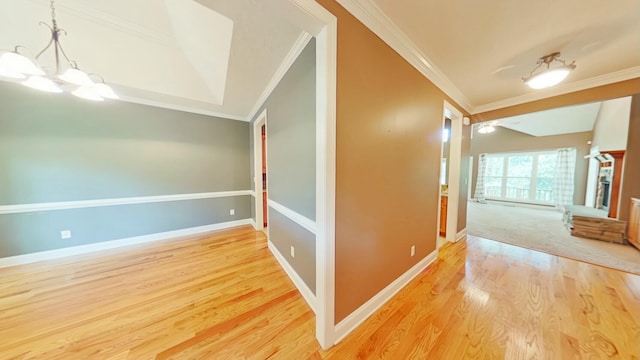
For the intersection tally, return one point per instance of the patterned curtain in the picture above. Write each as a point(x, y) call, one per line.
point(563, 178)
point(482, 169)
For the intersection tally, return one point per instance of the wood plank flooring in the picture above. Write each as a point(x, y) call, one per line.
point(223, 296)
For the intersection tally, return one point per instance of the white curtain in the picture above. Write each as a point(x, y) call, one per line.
point(563, 178)
point(482, 170)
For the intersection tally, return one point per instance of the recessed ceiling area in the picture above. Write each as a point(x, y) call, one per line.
point(204, 36)
point(564, 120)
point(214, 57)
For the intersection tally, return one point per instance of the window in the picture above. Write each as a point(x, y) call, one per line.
point(524, 177)
point(493, 177)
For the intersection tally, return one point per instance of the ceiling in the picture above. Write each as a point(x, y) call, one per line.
point(564, 120)
point(215, 57)
point(222, 57)
point(478, 51)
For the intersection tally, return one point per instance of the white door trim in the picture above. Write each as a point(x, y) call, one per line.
point(455, 159)
point(257, 167)
point(323, 25)
point(326, 63)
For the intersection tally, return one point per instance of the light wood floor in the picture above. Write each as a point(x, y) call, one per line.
point(224, 297)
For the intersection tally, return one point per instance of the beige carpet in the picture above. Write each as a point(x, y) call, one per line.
point(543, 230)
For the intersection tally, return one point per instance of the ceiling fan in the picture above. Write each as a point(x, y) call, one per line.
point(490, 126)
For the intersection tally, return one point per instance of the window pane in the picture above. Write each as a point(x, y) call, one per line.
point(518, 188)
point(544, 177)
point(546, 165)
point(544, 187)
point(493, 186)
point(494, 165)
point(520, 166)
point(519, 177)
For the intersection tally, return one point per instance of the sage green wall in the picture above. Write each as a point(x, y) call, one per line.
point(55, 147)
point(291, 161)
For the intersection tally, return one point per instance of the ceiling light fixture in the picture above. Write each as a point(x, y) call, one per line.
point(65, 77)
point(550, 76)
point(486, 128)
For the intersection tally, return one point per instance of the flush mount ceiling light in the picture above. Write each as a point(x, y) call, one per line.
point(551, 75)
point(486, 128)
point(65, 77)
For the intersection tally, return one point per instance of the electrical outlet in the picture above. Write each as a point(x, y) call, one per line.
point(65, 234)
point(293, 252)
point(232, 212)
point(413, 250)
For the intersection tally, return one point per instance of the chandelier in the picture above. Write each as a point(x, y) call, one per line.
point(65, 77)
point(551, 75)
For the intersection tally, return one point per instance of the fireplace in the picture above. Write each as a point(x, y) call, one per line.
point(604, 200)
point(603, 191)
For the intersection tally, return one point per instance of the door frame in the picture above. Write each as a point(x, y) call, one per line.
point(455, 160)
point(257, 168)
point(313, 18)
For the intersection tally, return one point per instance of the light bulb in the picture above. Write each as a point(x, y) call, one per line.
point(42, 84)
point(76, 77)
point(549, 77)
point(105, 91)
point(11, 74)
point(13, 62)
point(88, 93)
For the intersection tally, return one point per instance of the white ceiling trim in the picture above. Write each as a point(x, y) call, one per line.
point(81, 10)
point(299, 45)
point(374, 18)
point(189, 109)
point(622, 75)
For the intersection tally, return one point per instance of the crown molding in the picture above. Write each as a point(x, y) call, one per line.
point(84, 11)
point(377, 21)
point(173, 106)
point(610, 78)
point(299, 45)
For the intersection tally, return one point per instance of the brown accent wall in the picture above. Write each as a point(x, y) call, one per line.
point(604, 92)
point(631, 169)
point(507, 140)
point(389, 121)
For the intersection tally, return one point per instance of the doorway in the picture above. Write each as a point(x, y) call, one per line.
point(450, 174)
point(445, 166)
point(263, 131)
point(260, 171)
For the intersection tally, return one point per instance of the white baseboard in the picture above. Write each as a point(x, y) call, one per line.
point(307, 294)
point(111, 244)
point(254, 224)
point(462, 233)
point(346, 326)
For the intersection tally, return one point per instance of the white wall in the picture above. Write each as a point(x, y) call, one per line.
point(612, 125)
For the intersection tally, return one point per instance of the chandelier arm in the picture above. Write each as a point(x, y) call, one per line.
point(97, 75)
point(50, 39)
point(59, 45)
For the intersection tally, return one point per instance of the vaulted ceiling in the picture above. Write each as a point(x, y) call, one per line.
point(219, 57)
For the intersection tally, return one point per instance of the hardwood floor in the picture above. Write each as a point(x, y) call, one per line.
point(224, 296)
